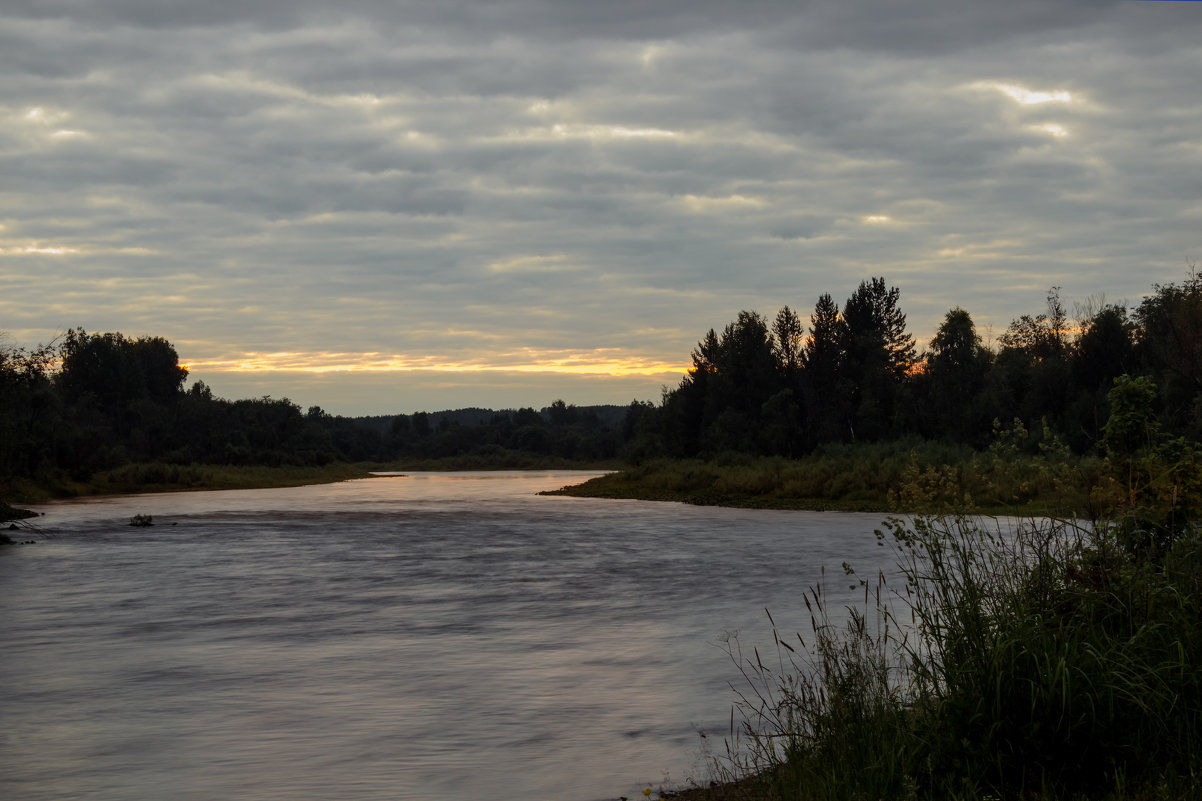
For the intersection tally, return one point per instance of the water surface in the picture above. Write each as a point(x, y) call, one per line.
point(431, 636)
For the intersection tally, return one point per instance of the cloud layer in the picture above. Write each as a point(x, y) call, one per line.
point(461, 203)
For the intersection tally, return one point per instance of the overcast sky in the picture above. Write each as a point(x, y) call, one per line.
point(383, 206)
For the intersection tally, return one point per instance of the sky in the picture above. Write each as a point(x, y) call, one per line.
point(386, 206)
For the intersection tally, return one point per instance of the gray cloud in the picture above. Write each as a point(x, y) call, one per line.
point(486, 183)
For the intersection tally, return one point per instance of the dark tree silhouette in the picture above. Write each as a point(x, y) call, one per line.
point(878, 355)
point(787, 342)
point(956, 368)
point(1170, 346)
point(821, 360)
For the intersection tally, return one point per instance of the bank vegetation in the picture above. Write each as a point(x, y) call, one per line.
point(1058, 662)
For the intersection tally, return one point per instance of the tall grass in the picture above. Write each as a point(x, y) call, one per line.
point(162, 477)
point(911, 476)
point(1047, 663)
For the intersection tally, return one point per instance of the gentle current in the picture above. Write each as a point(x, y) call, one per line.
point(444, 637)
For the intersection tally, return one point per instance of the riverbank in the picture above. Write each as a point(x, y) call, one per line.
point(10, 513)
point(886, 478)
point(1059, 663)
point(159, 477)
point(511, 460)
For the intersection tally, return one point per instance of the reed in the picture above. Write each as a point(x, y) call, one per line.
point(1049, 663)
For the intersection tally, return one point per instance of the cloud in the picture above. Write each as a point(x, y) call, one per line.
point(452, 183)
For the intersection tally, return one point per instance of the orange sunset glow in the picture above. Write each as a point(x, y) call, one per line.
point(601, 362)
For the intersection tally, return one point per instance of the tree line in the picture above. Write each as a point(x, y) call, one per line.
point(91, 402)
point(773, 387)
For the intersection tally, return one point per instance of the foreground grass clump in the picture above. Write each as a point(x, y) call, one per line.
point(1058, 662)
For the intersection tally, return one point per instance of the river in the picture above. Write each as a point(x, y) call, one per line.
point(444, 637)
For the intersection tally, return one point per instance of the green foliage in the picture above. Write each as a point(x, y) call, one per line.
point(787, 333)
point(1169, 336)
point(909, 475)
point(1132, 429)
point(1154, 482)
point(28, 412)
point(1041, 337)
point(875, 329)
point(719, 402)
point(954, 380)
point(878, 353)
point(821, 360)
point(1061, 661)
point(160, 477)
point(857, 377)
point(1105, 349)
point(755, 388)
point(845, 381)
point(111, 370)
point(114, 416)
point(1048, 663)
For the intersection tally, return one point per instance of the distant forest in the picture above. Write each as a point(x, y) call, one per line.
point(93, 402)
point(771, 387)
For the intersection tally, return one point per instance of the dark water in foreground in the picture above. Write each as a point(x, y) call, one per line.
point(446, 637)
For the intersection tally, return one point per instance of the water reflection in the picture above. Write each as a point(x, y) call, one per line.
point(422, 636)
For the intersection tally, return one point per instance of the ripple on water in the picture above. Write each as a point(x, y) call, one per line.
point(431, 636)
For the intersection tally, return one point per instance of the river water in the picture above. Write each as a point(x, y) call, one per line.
point(444, 637)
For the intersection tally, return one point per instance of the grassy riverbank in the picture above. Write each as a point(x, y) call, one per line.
point(501, 460)
point(158, 477)
point(905, 476)
point(1058, 665)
